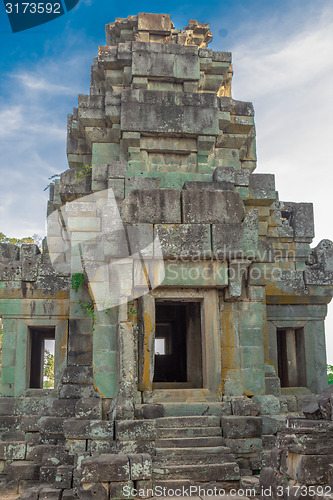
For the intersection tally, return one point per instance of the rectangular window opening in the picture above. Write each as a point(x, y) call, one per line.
point(41, 356)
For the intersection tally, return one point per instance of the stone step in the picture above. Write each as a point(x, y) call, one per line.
point(203, 450)
point(189, 421)
point(182, 396)
point(173, 484)
point(189, 409)
point(169, 432)
point(210, 472)
point(186, 488)
point(192, 459)
point(223, 489)
point(173, 385)
point(190, 442)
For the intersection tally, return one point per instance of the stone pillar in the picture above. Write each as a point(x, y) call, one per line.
point(9, 347)
point(127, 367)
point(315, 353)
point(146, 348)
point(211, 342)
point(230, 352)
point(251, 341)
point(105, 352)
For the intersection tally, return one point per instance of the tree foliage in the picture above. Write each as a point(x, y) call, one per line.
point(1, 336)
point(30, 240)
point(330, 374)
point(48, 370)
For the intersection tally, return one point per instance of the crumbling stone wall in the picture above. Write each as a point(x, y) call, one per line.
point(300, 464)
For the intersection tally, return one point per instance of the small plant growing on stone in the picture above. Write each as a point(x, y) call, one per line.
point(105, 305)
point(330, 374)
point(77, 281)
point(84, 172)
point(89, 309)
point(53, 178)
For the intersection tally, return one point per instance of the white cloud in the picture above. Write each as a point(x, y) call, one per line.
point(33, 133)
point(25, 121)
point(291, 84)
point(36, 83)
point(294, 62)
point(36, 98)
point(10, 120)
point(288, 75)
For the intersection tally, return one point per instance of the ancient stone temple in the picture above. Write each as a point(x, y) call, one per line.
point(184, 303)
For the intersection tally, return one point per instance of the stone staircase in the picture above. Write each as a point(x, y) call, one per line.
point(192, 448)
point(222, 444)
point(181, 444)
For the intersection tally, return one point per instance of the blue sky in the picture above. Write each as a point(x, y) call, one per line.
point(283, 63)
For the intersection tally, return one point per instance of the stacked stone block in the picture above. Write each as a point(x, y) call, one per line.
point(300, 464)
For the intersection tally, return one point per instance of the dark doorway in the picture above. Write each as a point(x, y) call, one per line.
point(291, 357)
point(41, 350)
point(178, 356)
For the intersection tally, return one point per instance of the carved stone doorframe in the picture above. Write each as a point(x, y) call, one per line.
point(210, 336)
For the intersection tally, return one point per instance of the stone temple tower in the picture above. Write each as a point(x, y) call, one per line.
point(182, 297)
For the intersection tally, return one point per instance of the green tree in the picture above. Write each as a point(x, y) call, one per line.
point(48, 370)
point(34, 239)
point(1, 335)
point(330, 374)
